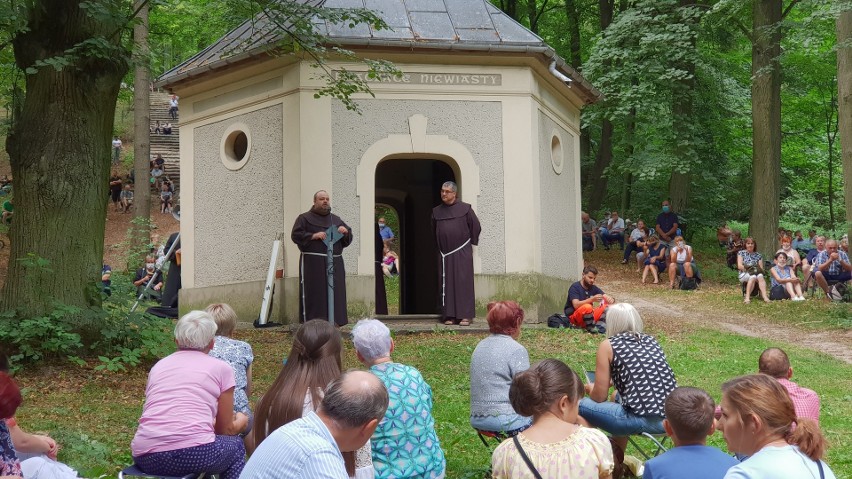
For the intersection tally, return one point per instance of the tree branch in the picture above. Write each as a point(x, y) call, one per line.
point(789, 7)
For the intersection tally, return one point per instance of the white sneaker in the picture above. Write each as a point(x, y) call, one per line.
point(799, 298)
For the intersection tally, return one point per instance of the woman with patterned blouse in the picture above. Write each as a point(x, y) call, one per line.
point(555, 445)
point(640, 373)
point(750, 266)
point(405, 444)
point(234, 352)
point(10, 399)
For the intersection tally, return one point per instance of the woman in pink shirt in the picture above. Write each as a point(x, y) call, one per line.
point(188, 424)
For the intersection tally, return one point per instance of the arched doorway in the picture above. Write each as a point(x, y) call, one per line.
point(412, 187)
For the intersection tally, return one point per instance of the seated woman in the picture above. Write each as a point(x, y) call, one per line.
point(405, 443)
point(759, 421)
point(640, 373)
point(495, 362)
point(654, 259)
point(237, 354)
point(783, 277)
point(750, 266)
point(793, 257)
point(10, 399)
point(188, 424)
point(681, 261)
point(390, 262)
point(315, 359)
point(555, 445)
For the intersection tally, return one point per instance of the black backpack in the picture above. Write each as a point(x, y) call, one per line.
point(558, 321)
point(688, 284)
point(778, 293)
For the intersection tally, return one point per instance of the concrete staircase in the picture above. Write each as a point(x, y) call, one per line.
point(166, 145)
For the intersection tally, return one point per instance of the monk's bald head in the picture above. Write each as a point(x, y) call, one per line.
point(774, 362)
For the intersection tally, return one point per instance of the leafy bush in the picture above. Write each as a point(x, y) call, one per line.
point(111, 333)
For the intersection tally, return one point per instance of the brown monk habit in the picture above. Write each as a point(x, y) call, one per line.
point(313, 288)
point(454, 225)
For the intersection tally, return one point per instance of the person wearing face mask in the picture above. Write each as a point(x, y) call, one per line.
point(309, 233)
point(793, 258)
point(784, 280)
point(143, 275)
point(682, 263)
point(385, 231)
point(667, 224)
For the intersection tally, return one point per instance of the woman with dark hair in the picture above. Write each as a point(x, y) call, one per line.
point(315, 360)
point(495, 362)
point(750, 266)
point(555, 445)
point(759, 420)
point(10, 399)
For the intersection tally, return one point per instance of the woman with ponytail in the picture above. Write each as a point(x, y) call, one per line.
point(315, 360)
point(759, 420)
point(554, 447)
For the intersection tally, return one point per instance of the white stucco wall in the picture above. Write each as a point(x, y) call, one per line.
point(476, 125)
point(237, 213)
point(557, 205)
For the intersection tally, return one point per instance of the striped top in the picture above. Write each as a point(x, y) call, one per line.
point(641, 373)
point(299, 449)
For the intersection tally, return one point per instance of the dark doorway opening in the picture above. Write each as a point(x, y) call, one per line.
point(413, 187)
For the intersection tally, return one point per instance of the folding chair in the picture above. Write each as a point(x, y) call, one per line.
point(133, 471)
point(657, 446)
point(489, 437)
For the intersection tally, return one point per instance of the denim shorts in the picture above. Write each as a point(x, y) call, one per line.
point(505, 423)
point(614, 419)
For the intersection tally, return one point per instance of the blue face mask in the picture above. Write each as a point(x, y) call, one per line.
point(665, 209)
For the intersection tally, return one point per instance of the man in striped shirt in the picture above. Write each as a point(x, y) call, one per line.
point(312, 447)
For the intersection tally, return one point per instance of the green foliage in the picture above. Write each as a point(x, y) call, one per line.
point(117, 337)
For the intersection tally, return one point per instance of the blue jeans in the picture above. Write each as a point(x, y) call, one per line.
point(614, 419)
point(503, 423)
point(607, 237)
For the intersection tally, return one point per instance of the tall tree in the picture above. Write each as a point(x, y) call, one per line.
point(766, 121)
point(844, 96)
point(596, 181)
point(142, 119)
point(74, 54)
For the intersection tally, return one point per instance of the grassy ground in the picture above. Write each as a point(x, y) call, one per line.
point(94, 414)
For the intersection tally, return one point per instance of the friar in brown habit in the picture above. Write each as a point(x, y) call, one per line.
point(308, 234)
point(456, 231)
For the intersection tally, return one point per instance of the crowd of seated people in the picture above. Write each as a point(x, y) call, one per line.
point(317, 421)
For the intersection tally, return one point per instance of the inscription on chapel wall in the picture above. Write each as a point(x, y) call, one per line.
point(417, 78)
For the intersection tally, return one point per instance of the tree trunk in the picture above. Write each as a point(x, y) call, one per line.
point(844, 104)
point(682, 115)
point(510, 7)
point(597, 180)
point(766, 123)
point(59, 147)
point(142, 119)
point(573, 15)
point(630, 141)
point(532, 13)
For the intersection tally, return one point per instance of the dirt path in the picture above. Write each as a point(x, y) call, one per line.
point(837, 344)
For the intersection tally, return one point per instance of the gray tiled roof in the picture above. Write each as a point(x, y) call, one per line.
point(452, 25)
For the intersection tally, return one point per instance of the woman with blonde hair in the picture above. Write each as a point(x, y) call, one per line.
point(555, 446)
point(636, 366)
point(238, 354)
point(681, 261)
point(759, 421)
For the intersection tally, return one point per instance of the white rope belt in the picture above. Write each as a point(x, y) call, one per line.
point(444, 269)
point(302, 277)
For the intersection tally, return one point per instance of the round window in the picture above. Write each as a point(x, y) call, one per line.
point(556, 154)
point(236, 146)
